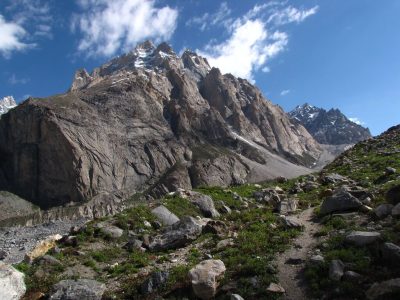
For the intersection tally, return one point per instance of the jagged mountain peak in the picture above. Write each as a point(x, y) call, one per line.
point(329, 127)
point(6, 104)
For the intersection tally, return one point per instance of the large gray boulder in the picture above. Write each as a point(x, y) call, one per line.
point(396, 210)
point(384, 290)
point(338, 202)
point(12, 285)
point(178, 235)
point(78, 289)
point(336, 270)
point(155, 281)
point(362, 238)
point(164, 215)
point(204, 203)
point(109, 230)
point(391, 254)
point(383, 210)
point(204, 278)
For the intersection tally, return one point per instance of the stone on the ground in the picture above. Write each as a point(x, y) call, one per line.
point(287, 206)
point(87, 289)
point(352, 276)
point(178, 235)
point(12, 285)
point(224, 244)
point(390, 171)
point(317, 259)
point(3, 254)
point(336, 270)
point(215, 227)
point(236, 297)
point(383, 210)
point(383, 290)
point(225, 209)
point(133, 244)
point(42, 247)
point(155, 281)
point(164, 215)
point(391, 254)
point(333, 178)
point(393, 195)
point(362, 238)
point(204, 203)
point(204, 278)
point(275, 288)
point(396, 210)
point(338, 202)
point(289, 222)
point(50, 261)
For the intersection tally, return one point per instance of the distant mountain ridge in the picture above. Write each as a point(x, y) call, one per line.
point(329, 127)
point(6, 104)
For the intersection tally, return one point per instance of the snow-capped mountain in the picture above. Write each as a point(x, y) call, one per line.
point(6, 104)
point(329, 127)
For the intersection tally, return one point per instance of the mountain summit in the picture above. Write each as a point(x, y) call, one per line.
point(148, 120)
point(329, 127)
point(6, 104)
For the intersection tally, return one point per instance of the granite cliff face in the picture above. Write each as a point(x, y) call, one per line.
point(329, 127)
point(147, 120)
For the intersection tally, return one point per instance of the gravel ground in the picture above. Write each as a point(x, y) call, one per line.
point(16, 241)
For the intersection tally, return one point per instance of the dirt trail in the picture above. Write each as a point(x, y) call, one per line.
point(291, 263)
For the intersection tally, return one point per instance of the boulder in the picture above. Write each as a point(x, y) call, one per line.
point(333, 178)
point(287, 206)
point(352, 276)
point(204, 203)
point(78, 289)
point(164, 215)
point(393, 195)
point(396, 210)
point(215, 227)
point(391, 254)
point(362, 238)
point(204, 278)
point(155, 281)
point(133, 244)
point(384, 290)
point(336, 270)
point(317, 259)
point(340, 201)
point(178, 235)
point(383, 210)
point(224, 244)
point(390, 171)
point(12, 285)
point(42, 247)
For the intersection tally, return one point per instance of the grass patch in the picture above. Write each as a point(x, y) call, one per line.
point(181, 206)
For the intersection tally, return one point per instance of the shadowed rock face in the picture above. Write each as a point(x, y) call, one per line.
point(147, 119)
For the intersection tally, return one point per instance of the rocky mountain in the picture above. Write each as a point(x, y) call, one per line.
point(148, 120)
point(6, 104)
point(329, 127)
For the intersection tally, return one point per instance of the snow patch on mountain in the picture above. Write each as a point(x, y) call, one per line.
point(6, 104)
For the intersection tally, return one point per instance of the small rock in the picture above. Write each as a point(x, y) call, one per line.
point(204, 278)
point(3, 254)
point(275, 288)
point(204, 203)
point(289, 222)
point(236, 297)
point(225, 209)
point(215, 227)
point(384, 290)
point(365, 209)
point(147, 224)
point(164, 215)
point(78, 289)
point(50, 260)
point(317, 259)
point(294, 261)
point(133, 244)
point(362, 238)
point(367, 201)
point(287, 206)
point(391, 254)
point(393, 195)
point(390, 171)
point(396, 210)
point(156, 280)
point(352, 276)
point(336, 270)
point(224, 244)
point(12, 285)
point(383, 210)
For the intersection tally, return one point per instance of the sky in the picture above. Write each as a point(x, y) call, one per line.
point(329, 53)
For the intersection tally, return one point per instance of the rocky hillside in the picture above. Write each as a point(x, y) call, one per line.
point(147, 120)
point(6, 104)
point(331, 235)
point(329, 127)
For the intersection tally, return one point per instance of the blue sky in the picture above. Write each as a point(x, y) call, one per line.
point(330, 53)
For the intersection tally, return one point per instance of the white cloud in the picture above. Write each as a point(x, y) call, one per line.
point(11, 37)
point(291, 14)
point(266, 69)
point(109, 26)
point(208, 20)
point(285, 92)
point(357, 121)
point(254, 39)
point(15, 80)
